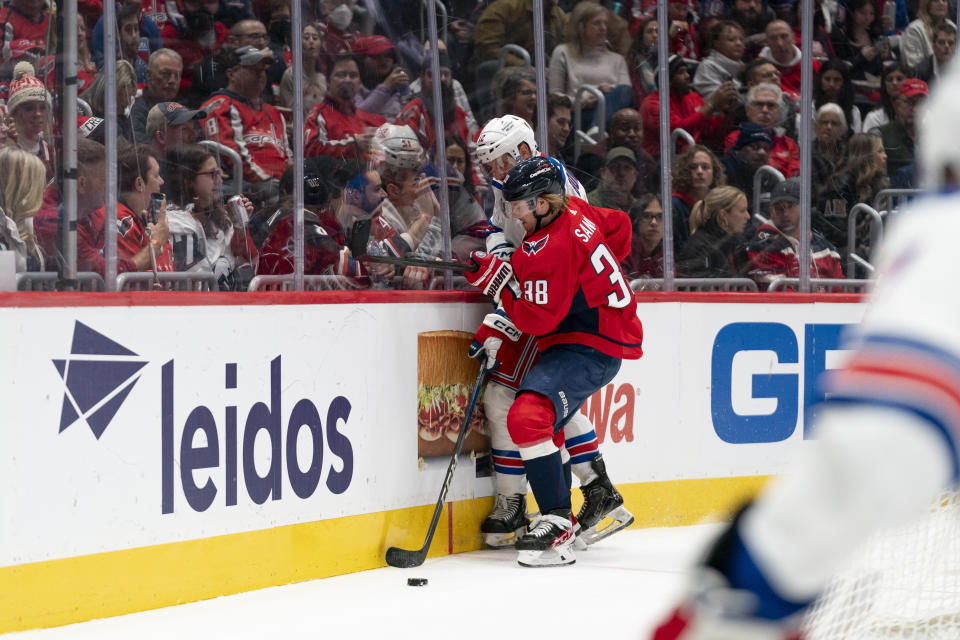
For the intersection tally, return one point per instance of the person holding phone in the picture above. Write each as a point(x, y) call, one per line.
point(140, 238)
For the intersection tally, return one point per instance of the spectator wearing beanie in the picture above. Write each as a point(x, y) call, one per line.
point(29, 106)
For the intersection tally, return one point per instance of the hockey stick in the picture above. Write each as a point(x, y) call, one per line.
point(360, 233)
point(405, 558)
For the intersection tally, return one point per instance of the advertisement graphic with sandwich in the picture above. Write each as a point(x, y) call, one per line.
point(445, 377)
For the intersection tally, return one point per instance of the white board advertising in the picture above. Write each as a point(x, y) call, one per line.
point(133, 426)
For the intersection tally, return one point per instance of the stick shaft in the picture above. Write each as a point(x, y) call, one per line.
point(405, 558)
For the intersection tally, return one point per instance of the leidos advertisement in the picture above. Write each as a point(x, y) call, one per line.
point(125, 427)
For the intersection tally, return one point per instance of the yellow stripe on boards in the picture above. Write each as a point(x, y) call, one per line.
point(69, 590)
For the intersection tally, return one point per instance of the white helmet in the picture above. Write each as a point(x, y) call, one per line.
point(397, 145)
point(504, 135)
point(937, 150)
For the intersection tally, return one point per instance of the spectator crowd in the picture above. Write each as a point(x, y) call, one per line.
point(204, 84)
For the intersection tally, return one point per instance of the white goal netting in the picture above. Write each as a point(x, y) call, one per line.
point(904, 583)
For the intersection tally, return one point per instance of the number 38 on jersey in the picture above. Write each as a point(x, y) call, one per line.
point(604, 264)
point(535, 291)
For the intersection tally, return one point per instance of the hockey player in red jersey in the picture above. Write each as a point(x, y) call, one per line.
point(502, 143)
point(564, 285)
point(886, 437)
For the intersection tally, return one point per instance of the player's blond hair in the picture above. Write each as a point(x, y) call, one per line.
point(557, 203)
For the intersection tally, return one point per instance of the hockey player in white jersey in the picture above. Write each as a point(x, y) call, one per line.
point(885, 438)
point(501, 144)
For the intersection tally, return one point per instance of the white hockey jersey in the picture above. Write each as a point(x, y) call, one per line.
point(908, 346)
point(508, 232)
point(886, 435)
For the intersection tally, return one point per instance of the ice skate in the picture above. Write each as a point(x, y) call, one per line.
point(602, 513)
point(507, 521)
point(549, 543)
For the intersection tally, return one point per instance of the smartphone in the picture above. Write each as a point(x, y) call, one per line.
point(156, 202)
point(890, 10)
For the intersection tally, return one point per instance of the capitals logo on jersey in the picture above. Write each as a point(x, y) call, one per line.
point(534, 247)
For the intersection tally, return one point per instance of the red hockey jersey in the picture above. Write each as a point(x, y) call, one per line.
point(15, 25)
point(332, 128)
point(132, 237)
point(258, 135)
point(571, 287)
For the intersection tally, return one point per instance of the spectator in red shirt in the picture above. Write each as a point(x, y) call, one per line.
point(139, 239)
point(763, 108)
point(336, 127)
point(781, 51)
point(419, 112)
point(695, 172)
point(91, 187)
point(688, 111)
point(23, 20)
point(238, 118)
point(646, 246)
point(197, 37)
point(774, 250)
point(683, 36)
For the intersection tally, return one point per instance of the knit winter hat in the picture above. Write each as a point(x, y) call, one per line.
point(25, 87)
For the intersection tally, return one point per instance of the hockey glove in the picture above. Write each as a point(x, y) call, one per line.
point(713, 611)
point(489, 337)
point(492, 276)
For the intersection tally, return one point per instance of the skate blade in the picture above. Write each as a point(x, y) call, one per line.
point(612, 522)
point(503, 540)
point(550, 558)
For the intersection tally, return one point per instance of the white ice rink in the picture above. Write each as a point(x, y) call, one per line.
point(617, 589)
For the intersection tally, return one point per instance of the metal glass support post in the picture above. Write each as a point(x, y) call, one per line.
point(666, 153)
point(540, 68)
point(110, 133)
point(806, 140)
point(296, 27)
point(68, 187)
point(440, 149)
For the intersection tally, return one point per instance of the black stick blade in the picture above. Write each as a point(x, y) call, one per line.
point(404, 558)
point(359, 234)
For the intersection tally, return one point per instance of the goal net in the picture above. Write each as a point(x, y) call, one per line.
point(904, 583)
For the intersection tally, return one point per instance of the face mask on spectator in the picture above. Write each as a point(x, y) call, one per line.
point(198, 22)
point(341, 17)
point(280, 31)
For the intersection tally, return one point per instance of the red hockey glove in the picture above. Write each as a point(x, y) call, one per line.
point(492, 276)
point(489, 337)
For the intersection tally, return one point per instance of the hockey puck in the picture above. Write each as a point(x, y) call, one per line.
point(416, 582)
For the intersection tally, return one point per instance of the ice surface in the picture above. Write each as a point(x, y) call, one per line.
point(617, 589)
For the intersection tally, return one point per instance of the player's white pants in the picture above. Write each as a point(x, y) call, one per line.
point(579, 436)
point(867, 468)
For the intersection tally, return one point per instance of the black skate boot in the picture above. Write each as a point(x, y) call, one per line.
point(549, 543)
point(506, 522)
point(602, 513)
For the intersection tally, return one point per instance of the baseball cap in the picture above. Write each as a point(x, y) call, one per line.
point(620, 153)
point(171, 114)
point(91, 127)
point(23, 46)
point(914, 87)
point(751, 132)
point(788, 190)
point(372, 45)
point(245, 56)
